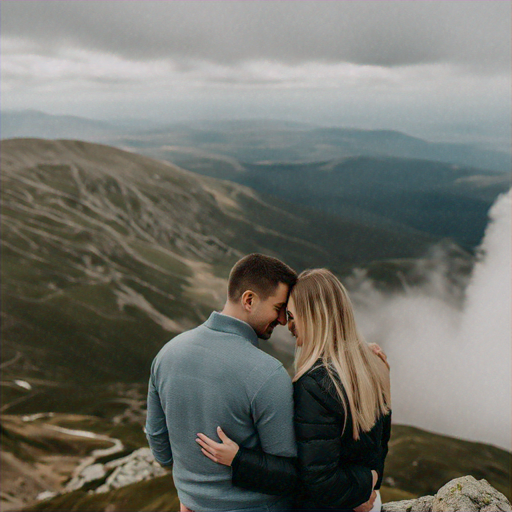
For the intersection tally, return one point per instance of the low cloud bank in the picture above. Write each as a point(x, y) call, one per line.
point(449, 339)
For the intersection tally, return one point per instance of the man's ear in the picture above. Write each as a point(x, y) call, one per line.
point(249, 299)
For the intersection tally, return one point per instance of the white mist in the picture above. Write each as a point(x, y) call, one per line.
point(451, 365)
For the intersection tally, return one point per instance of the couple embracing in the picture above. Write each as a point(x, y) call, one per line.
point(238, 434)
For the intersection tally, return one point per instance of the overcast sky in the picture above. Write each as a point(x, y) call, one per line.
point(439, 69)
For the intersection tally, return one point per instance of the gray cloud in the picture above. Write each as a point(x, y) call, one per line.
point(386, 33)
point(441, 367)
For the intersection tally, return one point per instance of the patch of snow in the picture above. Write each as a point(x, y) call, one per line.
point(46, 495)
point(23, 384)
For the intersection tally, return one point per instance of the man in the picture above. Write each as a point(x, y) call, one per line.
point(215, 375)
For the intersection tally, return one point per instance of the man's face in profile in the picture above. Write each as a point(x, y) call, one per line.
point(270, 312)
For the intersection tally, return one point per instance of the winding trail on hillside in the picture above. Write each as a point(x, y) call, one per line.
point(5, 364)
point(29, 481)
point(77, 478)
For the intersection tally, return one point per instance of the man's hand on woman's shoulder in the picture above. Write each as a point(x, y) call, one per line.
point(379, 352)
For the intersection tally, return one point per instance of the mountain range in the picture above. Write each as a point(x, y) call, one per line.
point(107, 253)
point(382, 178)
point(251, 141)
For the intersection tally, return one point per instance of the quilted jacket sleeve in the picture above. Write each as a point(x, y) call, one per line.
point(257, 471)
point(326, 478)
point(386, 434)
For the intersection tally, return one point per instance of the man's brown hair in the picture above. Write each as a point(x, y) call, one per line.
point(259, 273)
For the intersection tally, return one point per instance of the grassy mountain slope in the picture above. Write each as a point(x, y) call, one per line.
point(107, 254)
point(421, 462)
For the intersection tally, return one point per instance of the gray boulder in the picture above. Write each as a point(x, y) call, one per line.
point(467, 494)
point(464, 494)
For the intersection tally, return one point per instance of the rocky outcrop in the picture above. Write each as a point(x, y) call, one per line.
point(464, 494)
point(100, 478)
point(140, 465)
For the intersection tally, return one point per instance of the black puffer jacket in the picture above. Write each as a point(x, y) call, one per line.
point(333, 471)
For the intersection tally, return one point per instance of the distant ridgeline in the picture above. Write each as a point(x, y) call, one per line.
point(380, 178)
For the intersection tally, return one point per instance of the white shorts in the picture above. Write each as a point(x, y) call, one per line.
point(377, 504)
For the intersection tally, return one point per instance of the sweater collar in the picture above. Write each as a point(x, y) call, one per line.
point(231, 325)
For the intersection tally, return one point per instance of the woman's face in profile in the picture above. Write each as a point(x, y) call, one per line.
point(293, 321)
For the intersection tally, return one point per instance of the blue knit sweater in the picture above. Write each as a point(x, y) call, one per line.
point(214, 375)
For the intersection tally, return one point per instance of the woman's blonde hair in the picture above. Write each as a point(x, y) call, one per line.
point(328, 332)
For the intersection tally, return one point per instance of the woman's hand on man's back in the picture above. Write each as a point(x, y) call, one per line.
point(221, 453)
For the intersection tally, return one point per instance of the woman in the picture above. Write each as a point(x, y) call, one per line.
point(342, 408)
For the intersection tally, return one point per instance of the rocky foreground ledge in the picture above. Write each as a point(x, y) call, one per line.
point(464, 494)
